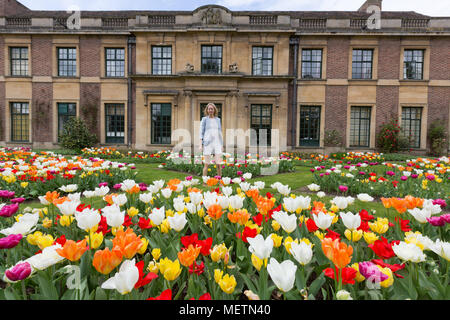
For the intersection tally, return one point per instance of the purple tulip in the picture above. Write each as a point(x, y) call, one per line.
point(9, 210)
point(19, 272)
point(189, 178)
point(414, 176)
point(332, 169)
point(10, 241)
point(390, 173)
point(430, 177)
point(404, 178)
point(362, 173)
point(436, 221)
point(143, 188)
point(321, 175)
point(17, 200)
point(312, 170)
point(239, 173)
point(440, 202)
point(347, 167)
point(7, 194)
point(117, 186)
point(103, 184)
point(343, 188)
point(446, 217)
point(371, 272)
point(327, 173)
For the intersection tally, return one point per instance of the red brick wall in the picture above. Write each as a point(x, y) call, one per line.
point(41, 55)
point(389, 52)
point(90, 47)
point(2, 90)
point(11, 7)
point(42, 123)
point(336, 110)
point(387, 104)
point(337, 57)
point(440, 58)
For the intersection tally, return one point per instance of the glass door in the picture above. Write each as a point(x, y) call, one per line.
point(310, 126)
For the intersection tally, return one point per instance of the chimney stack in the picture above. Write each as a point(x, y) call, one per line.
point(369, 3)
point(11, 8)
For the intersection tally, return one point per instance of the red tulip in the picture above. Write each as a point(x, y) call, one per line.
point(144, 280)
point(348, 274)
point(383, 248)
point(165, 295)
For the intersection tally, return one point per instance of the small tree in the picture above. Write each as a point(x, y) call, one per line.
point(437, 136)
point(76, 136)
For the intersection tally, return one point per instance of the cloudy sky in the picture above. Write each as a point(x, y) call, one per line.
point(431, 7)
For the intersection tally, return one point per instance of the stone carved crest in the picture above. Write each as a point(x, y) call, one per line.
point(211, 16)
point(189, 67)
point(233, 68)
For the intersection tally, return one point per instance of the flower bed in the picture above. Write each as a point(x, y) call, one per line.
point(426, 178)
point(231, 167)
point(170, 240)
point(133, 156)
point(28, 174)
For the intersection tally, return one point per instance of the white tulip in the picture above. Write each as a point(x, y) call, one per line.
point(47, 258)
point(114, 217)
point(87, 219)
point(247, 176)
point(157, 216)
point(322, 220)
point(350, 220)
point(282, 274)
point(301, 252)
point(68, 208)
point(408, 252)
point(284, 190)
point(120, 199)
point(364, 197)
point(177, 222)
point(287, 222)
point(124, 280)
point(340, 202)
point(102, 191)
point(166, 193)
point(23, 226)
point(420, 215)
point(195, 197)
point(313, 187)
point(146, 197)
point(236, 202)
point(226, 181)
point(69, 188)
point(441, 248)
point(261, 247)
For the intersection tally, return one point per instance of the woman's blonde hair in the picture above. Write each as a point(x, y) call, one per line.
point(216, 111)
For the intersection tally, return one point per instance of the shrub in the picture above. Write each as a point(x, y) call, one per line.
point(437, 136)
point(389, 138)
point(333, 138)
point(76, 135)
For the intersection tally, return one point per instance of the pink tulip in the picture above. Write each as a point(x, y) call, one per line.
point(436, 221)
point(343, 188)
point(9, 210)
point(10, 241)
point(17, 200)
point(103, 184)
point(19, 272)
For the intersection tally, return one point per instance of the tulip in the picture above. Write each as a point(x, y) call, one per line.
point(215, 211)
point(364, 197)
point(227, 283)
point(72, 250)
point(282, 274)
point(408, 252)
point(287, 222)
point(157, 216)
point(124, 280)
point(323, 220)
point(371, 272)
point(87, 219)
point(350, 220)
point(47, 258)
point(188, 256)
point(10, 241)
point(343, 295)
point(261, 247)
point(338, 252)
point(436, 221)
point(114, 217)
point(170, 269)
point(143, 279)
point(421, 215)
point(177, 222)
point(94, 239)
point(302, 252)
point(353, 235)
point(165, 295)
point(128, 242)
point(441, 248)
point(9, 210)
point(19, 272)
point(105, 260)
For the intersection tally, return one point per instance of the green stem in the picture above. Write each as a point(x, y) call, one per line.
point(24, 291)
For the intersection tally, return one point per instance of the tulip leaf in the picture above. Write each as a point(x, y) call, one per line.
point(317, 284)
point(11, 294)
point(100, 294)
point(250, 284)
point(48, 289)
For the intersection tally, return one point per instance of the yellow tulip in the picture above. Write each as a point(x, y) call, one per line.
point(47, 223)
point(370, 237)
point(24, 184)
point(359, 276)
point(275, 225)
point(132, 212)
point(95, 238)
point(353, 235)
point(153, 266)
point(66, 221)
point(32, 238)
point(257, 262)
point(218, 252)
point(156, 253)
point(45, 241)
point(170, 269)
point(276, 240)
point(389, 281)
point(218, 274)
point(144, 246)
point(288, 242)
point(164, 226)
point(227, 284)
point(381, 225)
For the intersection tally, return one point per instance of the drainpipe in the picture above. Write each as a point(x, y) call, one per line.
point(295, 42)
point(131, 42)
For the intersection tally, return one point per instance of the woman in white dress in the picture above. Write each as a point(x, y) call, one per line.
point(211, 138)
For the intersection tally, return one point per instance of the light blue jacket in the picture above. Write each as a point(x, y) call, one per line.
point(206, 133)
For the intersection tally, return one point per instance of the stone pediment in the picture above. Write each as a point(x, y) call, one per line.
point(212, 15)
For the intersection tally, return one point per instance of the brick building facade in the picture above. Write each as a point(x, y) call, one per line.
point(136, 76)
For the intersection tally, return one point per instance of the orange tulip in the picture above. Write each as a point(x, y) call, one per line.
point(240, 216)
point(264, 205)
point(189, 190)
point(399, 205)
point(51, 196)
point(108, 198)
point(128, 242)
point(188, 255)
point(134, 189)
point(318, 206)
point(337, 251)
point(215, 211)
point(105, 260)
point(253, 193)
point(60, 200)
point(212, 182)
point(387, 203)
point(412, 202)
point(73, 250)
